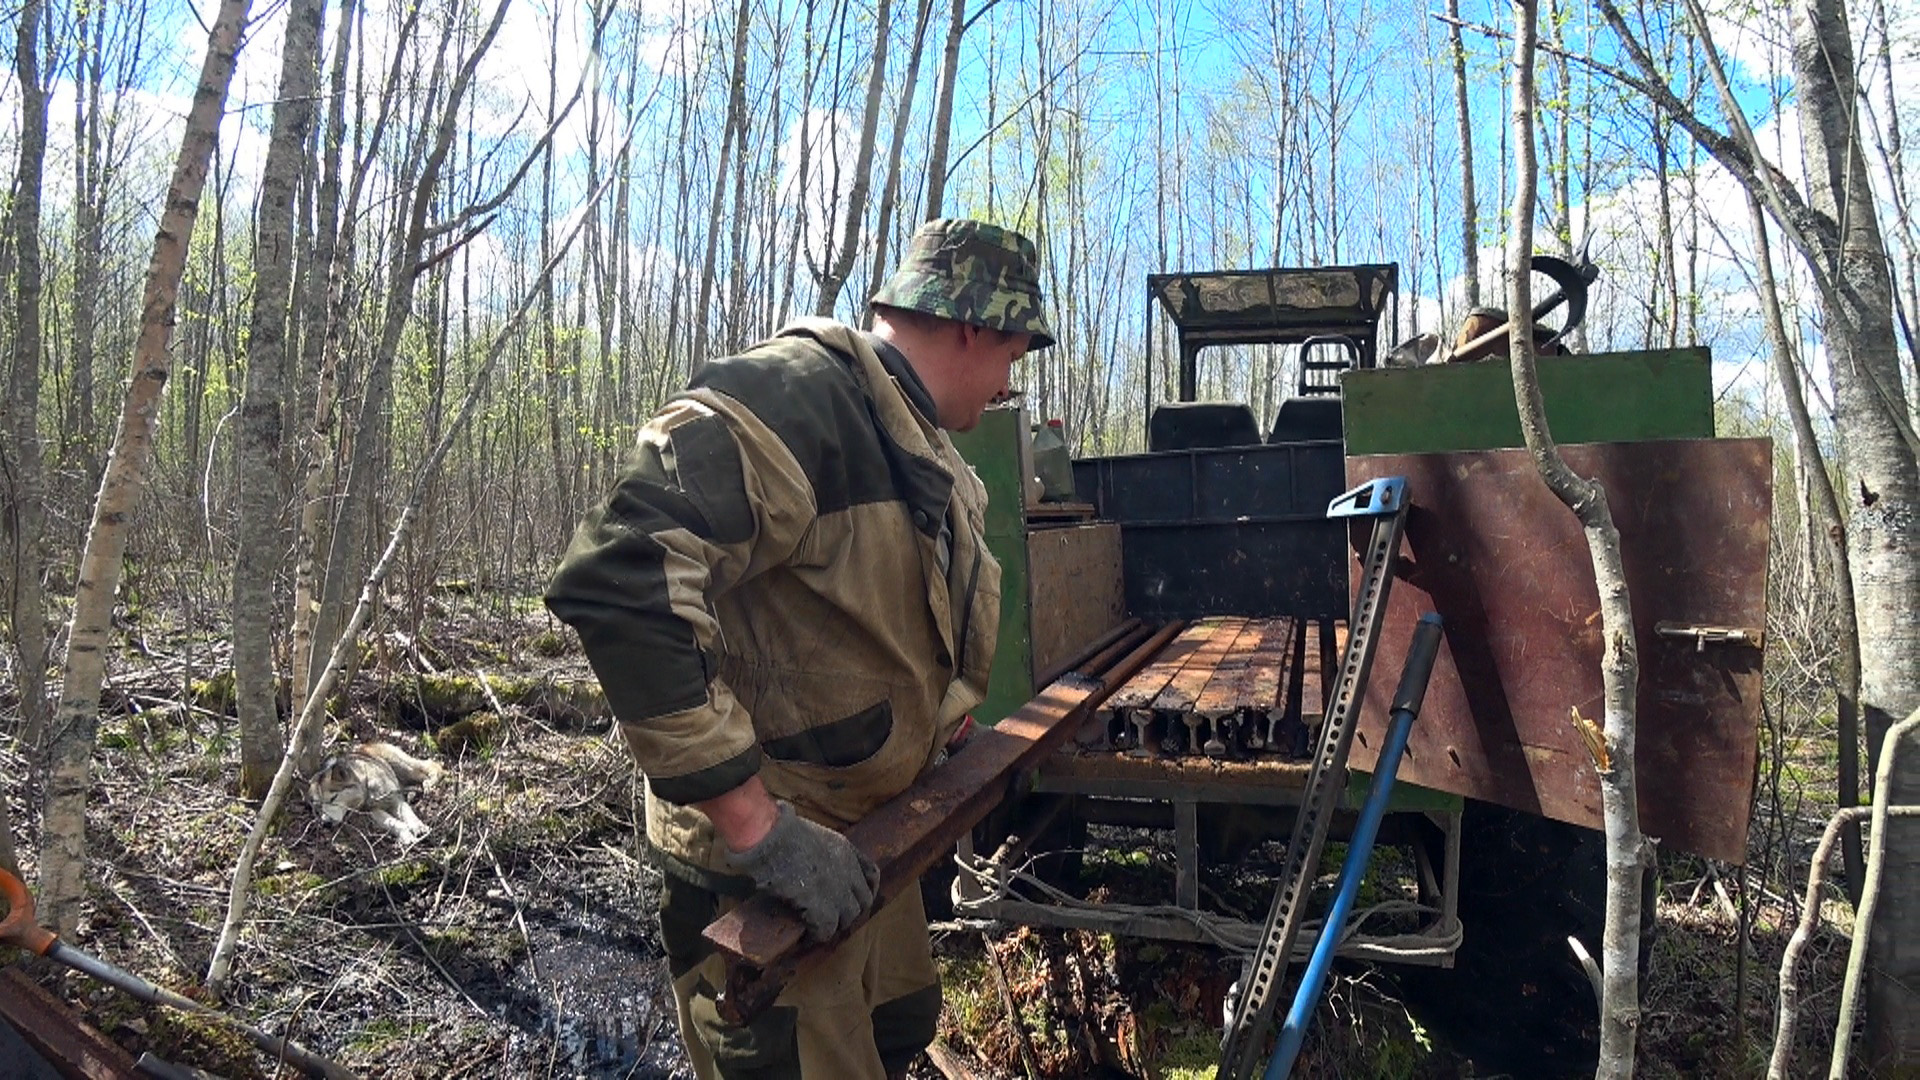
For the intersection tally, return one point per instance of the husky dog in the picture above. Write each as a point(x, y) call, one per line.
point(373, 778)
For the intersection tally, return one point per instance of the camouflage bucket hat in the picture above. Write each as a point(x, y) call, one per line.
point(971, 272)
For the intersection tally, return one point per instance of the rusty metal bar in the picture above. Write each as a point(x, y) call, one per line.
point(909, 833)
point(1087, 656)
point(70, 1045)
point(1136, 632)
point(1185, 689)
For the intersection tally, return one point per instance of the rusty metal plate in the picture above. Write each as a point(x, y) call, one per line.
point(67, 1044)
point(1491, 549)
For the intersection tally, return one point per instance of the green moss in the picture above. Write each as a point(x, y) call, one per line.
point(293, 881)
point(473, 734)
point(404, 873)
point(215, 693)
point(207, 1042)
point(384, 1033)
point(550, 644)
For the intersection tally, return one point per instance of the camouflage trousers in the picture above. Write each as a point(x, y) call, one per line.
point(863, 1013)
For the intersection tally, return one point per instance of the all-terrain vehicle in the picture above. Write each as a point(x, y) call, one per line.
point(1172, 812)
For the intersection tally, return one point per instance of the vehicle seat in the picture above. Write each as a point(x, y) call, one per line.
point(1304, 419)
point(1201, 425)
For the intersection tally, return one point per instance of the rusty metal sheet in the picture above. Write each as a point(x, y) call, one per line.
point(1491, 549)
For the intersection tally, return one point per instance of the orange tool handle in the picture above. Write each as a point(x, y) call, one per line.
point(19, 927)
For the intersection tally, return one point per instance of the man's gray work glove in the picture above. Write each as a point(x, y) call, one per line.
point(826, 879)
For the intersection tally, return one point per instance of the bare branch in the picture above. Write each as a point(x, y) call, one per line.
point(305, 728)
point(1843, 820)
point(1869, 896)
point(507, 189)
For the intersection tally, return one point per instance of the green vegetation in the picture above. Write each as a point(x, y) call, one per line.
point(473, 734)
point(215, 693)
point(404, 873)
point(385, 1033)
point(550, 644)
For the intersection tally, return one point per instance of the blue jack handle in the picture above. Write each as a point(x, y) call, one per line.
point(1406, 705)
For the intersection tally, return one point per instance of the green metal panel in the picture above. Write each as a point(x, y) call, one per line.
point(1597, 397)
point(1404, 796)
point(993, 449)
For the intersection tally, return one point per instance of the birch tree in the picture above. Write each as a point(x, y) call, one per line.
point(840, 257)
point(325, 323)
point(1833, 225)
point(1463, 115)
point(957, 23)
point(1628, 853)
point(25, 510)
point(256, 563)
point(902, 119)
point(63, 853)
point(732, 140)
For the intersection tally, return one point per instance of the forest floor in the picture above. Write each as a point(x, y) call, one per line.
point(517, 940)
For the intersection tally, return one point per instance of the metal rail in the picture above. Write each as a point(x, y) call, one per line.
point(764, 939)
point(1252, 1015)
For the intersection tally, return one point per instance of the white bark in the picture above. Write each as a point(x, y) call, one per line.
point(307, 728)
point(1628, 853)
point(1883, 841)
point(63, 842)
point(257, 561)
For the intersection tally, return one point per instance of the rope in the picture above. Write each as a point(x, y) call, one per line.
point(1439, 939)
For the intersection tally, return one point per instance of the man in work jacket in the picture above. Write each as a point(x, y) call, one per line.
point(789, 602)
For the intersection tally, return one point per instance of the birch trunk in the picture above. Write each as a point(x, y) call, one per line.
point(325, 320)
point(902, 119)
point(89, 209)
point(63, 817)
point(1830, 530)
point(943, 112)
point(1883, 485)
point(1469, 206)
point(1628, 853)
point(25, 512)
point(256, 564)
point(841, 264)
point(736, 125)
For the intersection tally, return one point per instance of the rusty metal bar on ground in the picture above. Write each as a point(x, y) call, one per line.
point(763, 937)
point(56, 1032)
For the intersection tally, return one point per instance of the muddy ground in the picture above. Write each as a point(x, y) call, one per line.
point(517, 940)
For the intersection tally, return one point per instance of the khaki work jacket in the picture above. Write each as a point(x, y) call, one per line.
point(789, 579)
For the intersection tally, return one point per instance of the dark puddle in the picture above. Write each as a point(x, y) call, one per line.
point(593, 1000)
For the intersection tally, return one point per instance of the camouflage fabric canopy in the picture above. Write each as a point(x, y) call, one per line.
point(971, 272)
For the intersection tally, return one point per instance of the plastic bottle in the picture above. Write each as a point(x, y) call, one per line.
point(1053, 462)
